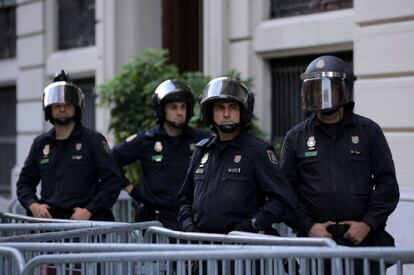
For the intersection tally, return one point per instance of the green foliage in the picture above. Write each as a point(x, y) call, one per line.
point(129, 93)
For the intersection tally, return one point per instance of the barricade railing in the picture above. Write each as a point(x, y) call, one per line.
point(112, 233)
point(18, 218)
point(124, 208)
point(31, 250)
point(11, 261)
point(13, 229)
point(241, 260)
point(156, 234)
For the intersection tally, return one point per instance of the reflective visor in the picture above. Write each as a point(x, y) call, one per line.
point(226, 90)
point(323, 93)
point(62, 93)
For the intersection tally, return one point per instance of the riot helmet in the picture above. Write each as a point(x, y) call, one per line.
point(172, 90)
point(327, 85)
point(62, 91)
point(225, 89)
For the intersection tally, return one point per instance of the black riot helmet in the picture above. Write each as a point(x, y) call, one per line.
point(227, 89)
point(62, 91)
point(172, 90)
point(327, 85)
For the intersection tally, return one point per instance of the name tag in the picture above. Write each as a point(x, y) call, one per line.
point(44, 161)
point(234, 170)
point(157, 158)
point(199, 171)
point(77, 157)
point(311, 154)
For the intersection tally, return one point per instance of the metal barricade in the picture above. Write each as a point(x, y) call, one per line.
point(163, 235)
point(112, 233)
point(18, 218)
point(241, 260)
point(15, 229)
point(11, 261)
point(124, 208)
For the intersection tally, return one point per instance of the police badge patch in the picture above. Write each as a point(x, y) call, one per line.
point(355, 139)
point(158, 146)
point(46, 150)
point(78, 146)
point(272, 156)
point(237, 158)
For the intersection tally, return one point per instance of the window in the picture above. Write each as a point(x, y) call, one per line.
point(286, 92)
point(7, 29)
point(88, 114)
point(286, 8)
point(76, 19)
point(7, 136)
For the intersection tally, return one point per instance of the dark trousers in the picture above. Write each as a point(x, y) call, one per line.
point(378, 237)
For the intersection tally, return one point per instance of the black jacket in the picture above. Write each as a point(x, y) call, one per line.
point(76, 172)
point(230, 182)
point(164, 161)
point(349, 176)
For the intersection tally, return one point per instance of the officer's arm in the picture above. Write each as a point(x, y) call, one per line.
point(290, 167)
point(282, 204)
point(386, 194)
point(29, 178)
point(186, 194)
point(110, 178)
point(129, 150)
point(288, 162)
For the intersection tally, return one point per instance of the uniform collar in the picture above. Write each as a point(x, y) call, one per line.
point(236, 142)
point(159, 130)
point(349, 118)
point(76, 132)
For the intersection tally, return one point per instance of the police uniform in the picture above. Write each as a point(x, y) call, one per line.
point(231, 182)
point(343, 175)
point(164, 161)
point(76, 172)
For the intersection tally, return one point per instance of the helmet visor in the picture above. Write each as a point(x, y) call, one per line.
point(323, 94)
point(225, 90)
point(62, 93)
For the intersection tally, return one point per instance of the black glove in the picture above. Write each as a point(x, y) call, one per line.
point(191, 228)
point(135, 193)
point(144, 213)
point(246, 226)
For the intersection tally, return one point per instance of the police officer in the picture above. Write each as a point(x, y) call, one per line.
point(79, 178)
point(234, 181)
point(338, 162)
point(164, 153)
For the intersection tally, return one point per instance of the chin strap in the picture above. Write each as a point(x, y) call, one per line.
point(63, 120)
point(176, 125)
point(227, 128)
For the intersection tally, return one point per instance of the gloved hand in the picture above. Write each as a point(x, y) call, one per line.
point(135, 193)
point(144, 213)
point(191, 228)
point(245, 226)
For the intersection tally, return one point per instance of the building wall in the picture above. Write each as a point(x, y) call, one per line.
point(123, 28)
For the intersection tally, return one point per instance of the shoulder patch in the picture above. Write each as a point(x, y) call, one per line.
point(272, 156)
point(202, 142)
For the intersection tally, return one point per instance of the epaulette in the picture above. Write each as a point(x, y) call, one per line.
point(150, 133)
point(202, 143)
